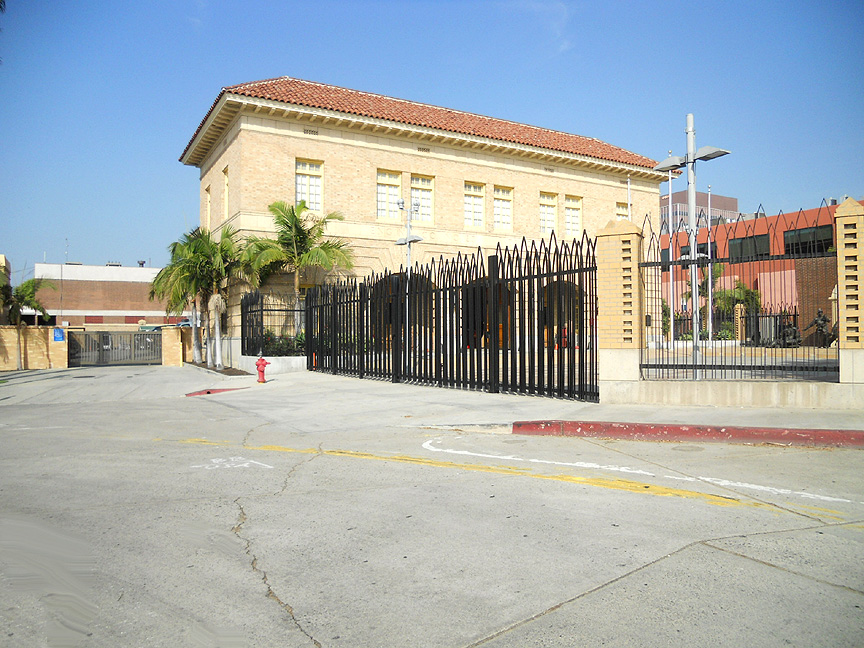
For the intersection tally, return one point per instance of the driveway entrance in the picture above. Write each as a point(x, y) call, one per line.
point(103, 348)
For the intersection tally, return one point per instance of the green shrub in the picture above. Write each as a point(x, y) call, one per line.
point(726, 332)
point(278, 345)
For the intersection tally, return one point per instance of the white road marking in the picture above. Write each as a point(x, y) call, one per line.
point(574, 464)
point(429, 445)
point(233, 462)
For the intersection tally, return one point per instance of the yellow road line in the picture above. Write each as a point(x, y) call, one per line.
point(600, 482)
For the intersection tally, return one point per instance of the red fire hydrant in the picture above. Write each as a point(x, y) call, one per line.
point(261, 363)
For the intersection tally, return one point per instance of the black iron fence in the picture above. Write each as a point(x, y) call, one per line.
point(521, 321)
point(271, 324)
point(764, 307)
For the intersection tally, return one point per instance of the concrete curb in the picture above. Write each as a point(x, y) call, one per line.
point(678, 432)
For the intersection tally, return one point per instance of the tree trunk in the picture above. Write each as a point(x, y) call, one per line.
point(20, 363)
point(297, 319)
point(217, 307)
point(209, 338)
point(196, 334)
point(217, 328)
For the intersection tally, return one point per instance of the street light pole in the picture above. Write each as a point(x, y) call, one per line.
point(709, 309)
point(671, 267)
point(692, 226)
point(675, 162)
point(409, 238)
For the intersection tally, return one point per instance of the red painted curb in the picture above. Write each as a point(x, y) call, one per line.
point(205, 392)
point(678, 432)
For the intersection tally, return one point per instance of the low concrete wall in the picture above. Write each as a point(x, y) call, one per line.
point(733, 393)
point(277, 365)
point(39, 349)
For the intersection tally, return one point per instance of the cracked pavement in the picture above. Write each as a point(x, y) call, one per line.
point(331, 512)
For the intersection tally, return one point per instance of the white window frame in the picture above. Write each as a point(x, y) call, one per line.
point(474, 204)
point(548, 212)
point(502, 208)
point(309, 183)
point(622, 211)
point(572, 216)
point(422, 191)
point(388, 191)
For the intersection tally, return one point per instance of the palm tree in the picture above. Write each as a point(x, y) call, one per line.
point(179, 283)
point(299, 244)
point(226, 260)
point(19, 298)
point(200, 267)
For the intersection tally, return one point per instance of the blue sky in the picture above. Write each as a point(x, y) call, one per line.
point(100, 98)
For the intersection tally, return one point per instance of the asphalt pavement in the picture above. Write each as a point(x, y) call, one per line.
point(318, 510)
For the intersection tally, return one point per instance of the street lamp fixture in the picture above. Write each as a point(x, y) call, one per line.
point(409, 238)
point(676, 162)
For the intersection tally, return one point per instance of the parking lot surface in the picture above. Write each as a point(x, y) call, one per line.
point(317, 510)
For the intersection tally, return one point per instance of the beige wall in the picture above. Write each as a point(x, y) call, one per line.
point(173, 348)
point(260, 154)
point(38, 348)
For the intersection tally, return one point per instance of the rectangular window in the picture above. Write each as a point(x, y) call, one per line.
point(94, 319)
point(502, 208)
point(389, 191)
point(701, 251)
point(473, 205)
point(622, 211)
point(421, 191)
point(572, 216)
point(664, 259)
point(307, 183)
point(702, 248)
point(225, 194)
point(749, 247)
point(808, 240)
point(548, 204)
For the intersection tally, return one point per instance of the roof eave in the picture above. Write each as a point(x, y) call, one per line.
point(209, 130)
point(229, 105)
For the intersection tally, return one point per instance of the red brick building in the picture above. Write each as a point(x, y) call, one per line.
point(786, 257)
point(110, 296)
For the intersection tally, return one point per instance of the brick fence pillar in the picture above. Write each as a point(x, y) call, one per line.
point(849, 221)
point(172, 347)
point(619, 305)
point(58, 347)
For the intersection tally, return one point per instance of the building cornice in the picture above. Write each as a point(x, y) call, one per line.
point(229, 106)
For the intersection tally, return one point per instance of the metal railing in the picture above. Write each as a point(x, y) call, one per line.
point(271, 324)
point(521, 321)
point(765, 308)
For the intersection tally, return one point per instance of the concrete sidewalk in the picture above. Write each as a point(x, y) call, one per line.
point(506, 413)
point(384, 403)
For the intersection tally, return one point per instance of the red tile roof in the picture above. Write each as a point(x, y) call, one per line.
point(367, 104)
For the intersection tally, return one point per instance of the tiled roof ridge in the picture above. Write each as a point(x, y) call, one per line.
point(613, 153)
point(314, 94)
point(417, 103)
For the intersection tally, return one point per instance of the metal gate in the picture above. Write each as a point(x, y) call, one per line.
point(102, 348)
point(520, 321)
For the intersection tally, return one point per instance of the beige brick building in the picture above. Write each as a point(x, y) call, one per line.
point(480, 181)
